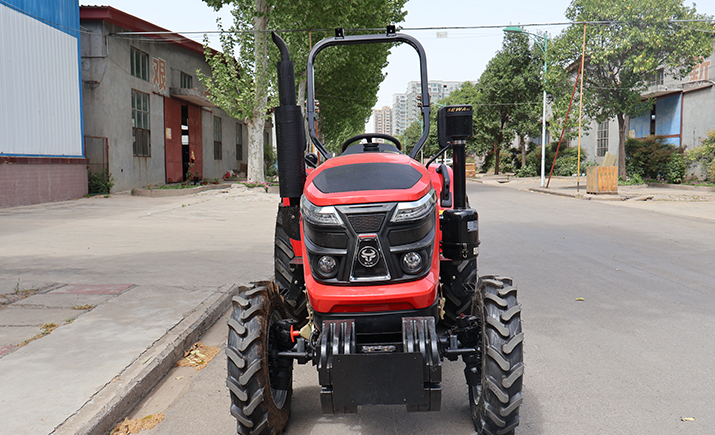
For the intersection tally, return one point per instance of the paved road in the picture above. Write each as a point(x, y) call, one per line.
point(633, 358)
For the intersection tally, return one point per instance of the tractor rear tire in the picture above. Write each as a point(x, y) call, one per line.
point(459, 283)
point(257, 406)
point(494, 403)
point(282, 255)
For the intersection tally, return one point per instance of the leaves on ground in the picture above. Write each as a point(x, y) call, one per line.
point(137, 425)
point(198, 356)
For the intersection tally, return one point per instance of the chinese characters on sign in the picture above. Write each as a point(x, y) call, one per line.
point(159, 69)
point(700, 72)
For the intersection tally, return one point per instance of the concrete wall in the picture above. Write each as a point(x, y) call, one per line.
point(589, 140)
point(698, 118)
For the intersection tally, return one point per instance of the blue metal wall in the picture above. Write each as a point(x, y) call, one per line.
point(41, 87)
point(667, 120)
point(60, 14)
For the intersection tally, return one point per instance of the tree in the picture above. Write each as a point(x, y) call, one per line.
point(507, 96)
point(242, 86)
point(623, 53)
point(239, 81)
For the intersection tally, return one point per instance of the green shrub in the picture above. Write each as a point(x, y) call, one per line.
point(100, 182)
point(704, 155)
point(651, 158)
point(527, 171)
point(675, 168)
point(633, 180)
point(566, 164)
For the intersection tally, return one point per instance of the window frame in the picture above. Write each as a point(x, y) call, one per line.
point(218, 138)
point(186, 79)
point(141, 127)
point(602, 138)
point(139, 63)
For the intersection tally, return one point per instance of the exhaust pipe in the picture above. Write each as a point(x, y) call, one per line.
point(290, 133)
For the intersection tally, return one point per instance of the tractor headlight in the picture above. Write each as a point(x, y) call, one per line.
point(319, 215)
point(412, 262)
point(327, 266)
point(415, 210)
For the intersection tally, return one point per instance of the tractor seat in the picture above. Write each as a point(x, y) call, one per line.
point(360, 148)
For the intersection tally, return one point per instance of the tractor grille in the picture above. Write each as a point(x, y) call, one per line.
point(367, 246)
point(366, 223)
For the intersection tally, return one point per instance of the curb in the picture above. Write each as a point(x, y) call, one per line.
point(117, 398)
point(553, 192)
point(584, 196)
point(681, 187)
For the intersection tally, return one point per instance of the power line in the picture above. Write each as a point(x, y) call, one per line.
point(382, 29)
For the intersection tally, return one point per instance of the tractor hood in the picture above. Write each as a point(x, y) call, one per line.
point(366, 178)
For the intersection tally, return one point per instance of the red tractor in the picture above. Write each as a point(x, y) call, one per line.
point(375, 276)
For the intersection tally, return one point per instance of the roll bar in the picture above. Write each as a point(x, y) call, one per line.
point(389, 37)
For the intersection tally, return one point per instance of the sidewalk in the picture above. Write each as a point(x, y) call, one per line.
point(685, 201)
point(100, 297)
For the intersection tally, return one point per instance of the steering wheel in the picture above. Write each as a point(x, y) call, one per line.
point(369, 136)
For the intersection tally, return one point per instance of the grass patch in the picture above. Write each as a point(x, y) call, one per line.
point(83, 307)
point(46, 329)
point(23, 292)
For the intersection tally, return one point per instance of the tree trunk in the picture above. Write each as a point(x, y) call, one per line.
point(622, 126)
point(258, 121)
point(522, 144)
point(496, 158)
point(255, 149)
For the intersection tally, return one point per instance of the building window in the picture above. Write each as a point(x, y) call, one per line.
point(140, 124)
point(239, 141)
point(602, 139)
point(187, 81)
point(139, 64)
point(657, 77)
point(218, 145)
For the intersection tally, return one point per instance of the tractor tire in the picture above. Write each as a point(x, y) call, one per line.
point(459, 283)
point(295, 300)
point(257, 406)
point(494, 403)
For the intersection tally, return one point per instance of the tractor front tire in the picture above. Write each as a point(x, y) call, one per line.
point(257, 406)
point(282, 255)
point(494, 403)
point(459, 283)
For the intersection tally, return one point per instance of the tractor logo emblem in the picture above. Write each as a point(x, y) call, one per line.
point(368, 256)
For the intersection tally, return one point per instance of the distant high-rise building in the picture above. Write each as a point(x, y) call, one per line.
point(405, 108)
point(383, 120)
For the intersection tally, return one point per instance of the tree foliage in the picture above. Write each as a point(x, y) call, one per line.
point(346, 80)
point(505, 99)
point(623, 53)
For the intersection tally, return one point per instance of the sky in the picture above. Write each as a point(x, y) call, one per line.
point(460, 56)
